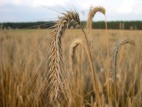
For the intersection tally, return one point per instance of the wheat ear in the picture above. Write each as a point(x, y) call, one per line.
point(73, 47)
point(93, 11)
point(116, 49)
point(54, 76)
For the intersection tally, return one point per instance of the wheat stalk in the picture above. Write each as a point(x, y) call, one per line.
point(96, 83)
point(73, 47)
point(116, 49)
point(54, 76)
point(93, 11)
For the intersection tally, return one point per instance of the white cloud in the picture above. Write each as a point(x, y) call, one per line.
point(115, 9)
point(33, 2)
point(16, 2)
point(126, 6)
point(85, 4)
point(49, 2)
point(137, 8)
point(130, 7)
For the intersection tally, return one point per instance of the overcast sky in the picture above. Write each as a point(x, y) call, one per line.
point(45, 10)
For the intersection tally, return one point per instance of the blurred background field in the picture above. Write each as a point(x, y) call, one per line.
point(24, 52)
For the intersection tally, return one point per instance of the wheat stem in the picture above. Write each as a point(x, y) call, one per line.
point(97, 86)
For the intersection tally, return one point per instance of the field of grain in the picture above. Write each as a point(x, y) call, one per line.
point(25, 61)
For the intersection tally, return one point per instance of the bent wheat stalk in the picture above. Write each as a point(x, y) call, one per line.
point(116, 49)
point(96, 83)
point(54, 77)
point(93, 11)
point(73, 47)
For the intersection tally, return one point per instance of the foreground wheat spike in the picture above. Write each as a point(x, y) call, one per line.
point(93, 11)
point(54, 77)
point(115, 55)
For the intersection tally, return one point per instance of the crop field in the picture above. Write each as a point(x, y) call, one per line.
point(26, 76)
point(61, 67)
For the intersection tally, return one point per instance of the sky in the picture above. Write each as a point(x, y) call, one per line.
point(48, 10)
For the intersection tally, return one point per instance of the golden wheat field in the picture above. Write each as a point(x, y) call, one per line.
point(26, 78)
point(62, 67)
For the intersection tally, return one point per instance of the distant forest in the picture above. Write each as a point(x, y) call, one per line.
point(133, 25)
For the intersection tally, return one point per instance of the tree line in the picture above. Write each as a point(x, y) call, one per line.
point(133, 25)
